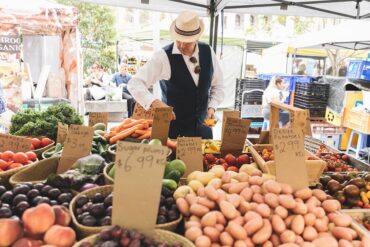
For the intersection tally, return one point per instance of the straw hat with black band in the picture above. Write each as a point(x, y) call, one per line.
point(187, 27)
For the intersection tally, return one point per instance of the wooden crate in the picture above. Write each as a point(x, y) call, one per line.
point(360, 214)
point(357, 120)
point(314, 167)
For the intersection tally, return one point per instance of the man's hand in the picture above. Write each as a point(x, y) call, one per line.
point(211, 113)
point(157, 104)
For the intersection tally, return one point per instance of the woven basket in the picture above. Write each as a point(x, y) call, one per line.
point(40, 151)
point(84, 231)
point(161, 236)
point(35, 173)
point(47, 150)
point(107, 178)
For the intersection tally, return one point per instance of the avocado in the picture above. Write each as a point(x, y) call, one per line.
point(351, 191)
point(169, 183)
point(339, 195)
point(359, 182)
point(334, 186)
point(337, 176)
point(174, 175)
point(325, 179)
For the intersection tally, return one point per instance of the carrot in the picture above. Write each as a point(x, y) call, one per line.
point(171, 144)
point(145, 136)
point(141, 132)
point(150, 121)
point(146, 124)
point(135, 135)
point(125, 133)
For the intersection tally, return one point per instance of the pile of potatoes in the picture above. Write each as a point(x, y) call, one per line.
point(236, 209)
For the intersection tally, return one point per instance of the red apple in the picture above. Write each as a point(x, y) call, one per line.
point(230, 159)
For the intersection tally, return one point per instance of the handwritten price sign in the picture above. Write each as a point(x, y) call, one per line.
point(141, 113)
point(98, 117)
point(62, 132)
point(14, 143)
point(161, 123)
point(290, 157)
point(189, 150)
point(234, 135)
point(138, 166)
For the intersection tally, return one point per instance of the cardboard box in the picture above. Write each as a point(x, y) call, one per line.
point(357, 120)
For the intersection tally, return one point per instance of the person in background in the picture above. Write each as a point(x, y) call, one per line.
point(276, 91)
point(342, 72)
point(302, 69)
point(190, 77)
point(121, 79)
point(317, 71)
point(96, 82)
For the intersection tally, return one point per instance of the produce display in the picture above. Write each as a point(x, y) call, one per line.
point(10, 160)
point(43, 224)
point(97, 211)
point(23, 196)
point(55, 151)
point(38, 143)
point(214, 147)
point(229, 161)
point(267, 154)
point(44, 123)
point(100, 145)
point(117, 236)
point(234, 209)
point(351, 189)
point(336, 162)
point(85, 173)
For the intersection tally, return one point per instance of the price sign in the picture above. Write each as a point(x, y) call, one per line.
point(161, 123)
point(62, 132)
point(76, 145)
point(290, 157)
point(225, 115)
point(264, 137)
point(189, 150)
point(234, 135)
point(14, 143)
point(137, 185)
point(141, 113)
point(98, 117)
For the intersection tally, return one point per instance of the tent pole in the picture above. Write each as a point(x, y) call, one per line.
point(358, 9)
point(212, 16)
point(215, 34)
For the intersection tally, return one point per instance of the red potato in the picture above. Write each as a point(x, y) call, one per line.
point(300, 208)
point(281, 211)
point(275, 240)
point(198, 210)
point(309, 233)
point(271, 199)
point(263, 234)
point(233, 199)
point(228, 210)
point(247, 194)
point(183, 206)
point(239, 220)
point(191, 199)
point(278, 224)
point(309, 219)
point(251, 215)
point(209, 219)
point(236, 231)
point(319, 194)
point(226, 239)
point(203, 241)
point(220, 218)
point(240, 243)
point(206, 202)
point(258, 198)
point(319, 212)
point(286, 188)
point(331, 206)
point(272, 186)
point(287, 201)
point(238, 187)
point(253, 225)
point(288, 236)
point(268, 244)
point(193, 233)
point(212, 233)
point(211, 193)
point(256, 189)
point(303, 194)
point(263, 210)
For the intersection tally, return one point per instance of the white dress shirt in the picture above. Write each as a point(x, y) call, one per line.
point(158, 68)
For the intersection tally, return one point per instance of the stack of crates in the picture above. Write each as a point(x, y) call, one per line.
point(312, 96)
point(249, 92)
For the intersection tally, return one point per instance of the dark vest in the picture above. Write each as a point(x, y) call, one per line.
point(190, 102)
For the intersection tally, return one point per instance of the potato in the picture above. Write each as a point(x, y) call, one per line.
point(247, 194)
point(183, 206)
point(258, 198)
point(220, 218)
point(220, 227)
point(194, 218)
point(272, 186)
point(309, 233)
point(240, 243)
point(203, 241)
point(195, 185)
point(215, 183)
point(263, 234)
point(309, 219)
point(344, 243)
point(212, 233)
point(191, 224)
point(288, 221)
point(256, 189)
point(253, 225)
point(319, 212)
point(325, 241)
point(226, 178)
point(238, 187)
point(321, 225)
point(255, 180)
point(198, 210)
point(236, 231)
point(228, 210)
point(331, 206)
point(242, 177)
point(365, 241)
point(191, 199)
point(244, 207)
point(211, 193)
point(286, 188)
point(193, 233)
point(300, 208)
point(271, 199)
point(251, 215)
point(218, 170)
point(303, 194)
point(343, 220)
point(275, 240)
point(319, 194)
point(263, 210)
point(206, 202)
point(201, 192)
point(299, 240)
point(342, 233)
point(268, 244)
point(278, 224)
point(281, 211)
point(289, 245)
point(204, 177)
point(307, 244)
point(357, 243)
point(288, 236)
point(287, 201)
point(226, 186)
point(221, 195)
point(209, 219)
point(226, 239)
point(239, 220)
point(233, 199)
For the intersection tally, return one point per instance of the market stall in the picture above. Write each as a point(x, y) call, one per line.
point(24, 20)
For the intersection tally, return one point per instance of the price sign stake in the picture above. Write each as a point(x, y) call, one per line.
point(139, 169)
point(161, 123)
point(14, 143)
point(234, 135)
point(98, 117)
point(77, 145)
point(141, 113)
point(62, 132)
point(290, 157)
point(189, 150)
point(225, 115)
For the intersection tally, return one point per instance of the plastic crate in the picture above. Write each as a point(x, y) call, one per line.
point(359, 69)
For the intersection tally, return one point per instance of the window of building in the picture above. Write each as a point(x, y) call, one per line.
point(237, 21)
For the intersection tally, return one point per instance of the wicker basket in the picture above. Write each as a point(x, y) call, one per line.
point(107, 178)
point(35, 173)
point(39, 152)
point(357, 213)
point(159, 236)
point(84, 231)
point(47, 150)
point(314, 167)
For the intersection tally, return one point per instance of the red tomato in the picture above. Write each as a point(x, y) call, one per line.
point(3, 165)
point(45, 141)
point(15, 165)
point(31, 155)
point(36, 143)
point(20, 158)
point(7, 155)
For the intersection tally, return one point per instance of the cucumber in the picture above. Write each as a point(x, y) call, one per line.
point(169, 183)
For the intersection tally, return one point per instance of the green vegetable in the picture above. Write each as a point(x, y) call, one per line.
point(99, 133)
point(174, 175)
point(35, 123)
point(169, 183)
point(112, 171)
point(99, 126)
point(177, 165)
point(92, 164)
point(56, 151)
point(100, 139)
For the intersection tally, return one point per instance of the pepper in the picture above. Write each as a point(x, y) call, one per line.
point(364, 198)
point(368, 194)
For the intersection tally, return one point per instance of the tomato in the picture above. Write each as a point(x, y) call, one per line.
point(31, 155)
point(15, 165)
point(36, 143)
point(3, 165)
point(20, 157)
point(45, 141)
point(7, 155)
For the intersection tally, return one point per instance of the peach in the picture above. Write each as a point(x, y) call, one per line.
point(38, 219)
point(10, 230)
point(62, 216)
point(26, 242)
point(61, 236)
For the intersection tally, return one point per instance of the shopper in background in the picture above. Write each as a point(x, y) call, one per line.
point(96, 82)
point(342, 72)
point(302, 69)
point(191, 79)
point(121, 79)
point(276, 91)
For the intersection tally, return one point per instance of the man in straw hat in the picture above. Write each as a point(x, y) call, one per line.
point(190, 77)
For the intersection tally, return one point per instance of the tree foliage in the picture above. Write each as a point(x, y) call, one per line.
point(98, 34)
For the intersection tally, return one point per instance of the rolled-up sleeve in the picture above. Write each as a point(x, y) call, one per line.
point(155, 69)
point(217, 92)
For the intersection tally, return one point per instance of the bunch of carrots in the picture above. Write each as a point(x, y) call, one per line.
point(136, 128)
